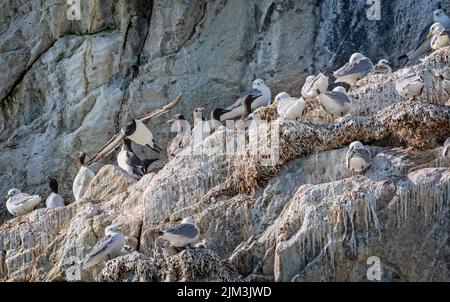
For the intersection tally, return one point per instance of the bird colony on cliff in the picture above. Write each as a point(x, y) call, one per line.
point(331, 91)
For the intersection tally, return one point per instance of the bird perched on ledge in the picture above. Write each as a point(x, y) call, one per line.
point(357, 68)
point(106, 249)
point(440, 36)
point(289, 108)
point(129, 161)
point(423, 45)
point(19, 203)
point(409, 85)
point(84, 177)
point(136, 131)
point(262, 96)
point(313, 84)
point(358, 158)
point(182, 235)
point(336, 102)
point(54, 200)
point(182, 139)
point(382, 67)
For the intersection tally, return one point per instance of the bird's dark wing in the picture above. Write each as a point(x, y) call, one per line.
point(107, 149)
point(161, 110)
point(424, 34)
point(359, 66)
point(242, 96)
point(338, 97)
point(102, 245)
point(136, 163)
point(422, 46)
point(184, 229)
point(363, 153)
point(147, 162)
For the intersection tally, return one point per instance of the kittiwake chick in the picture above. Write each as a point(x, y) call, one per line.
point(313, 84)
point(382, 67)
point(19, 203)
point(358, 158)
point(289, 108)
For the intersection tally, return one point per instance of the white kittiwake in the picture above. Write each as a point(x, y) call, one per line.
point(54, 200)
point(336, 102)
point(440, 36)
point(106, 249)
point(84, 177)
point(440, 16)
point(289, 108)
point(358, 158)
point(19, 203)
point(409, 85)
point(182, 235)
point(357, 68)
point(313, 84)
point(423, 45)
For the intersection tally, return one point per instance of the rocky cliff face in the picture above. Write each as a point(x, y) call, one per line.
point(70, 85)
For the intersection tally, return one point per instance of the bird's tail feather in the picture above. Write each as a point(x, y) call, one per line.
point(155, 148)
point(405, 58)
point(147, 162)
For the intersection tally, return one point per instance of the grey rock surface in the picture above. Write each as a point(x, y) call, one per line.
point(70, 85)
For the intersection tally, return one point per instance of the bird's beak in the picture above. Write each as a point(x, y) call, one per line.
point(169, 121)
point(429, 34)
point(119, 229)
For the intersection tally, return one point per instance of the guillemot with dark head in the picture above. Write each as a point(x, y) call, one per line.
point(129, 161)
point(84, 177)
point(136, 131)
point(215, 122)
point(54, 200)
point(261, 96)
